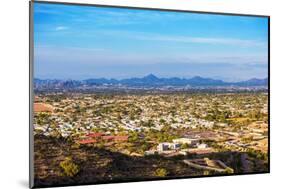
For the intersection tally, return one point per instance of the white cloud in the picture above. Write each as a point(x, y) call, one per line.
point(204, 40)
point(60, 28)
point(186, 39)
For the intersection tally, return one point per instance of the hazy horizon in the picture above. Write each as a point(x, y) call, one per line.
point(151, 74)
point(81, 42)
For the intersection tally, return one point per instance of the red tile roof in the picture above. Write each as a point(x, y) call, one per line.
point(87, 141)
point(107, 137)
point(98, 136)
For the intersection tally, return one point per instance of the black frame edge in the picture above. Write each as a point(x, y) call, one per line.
point(31, 97)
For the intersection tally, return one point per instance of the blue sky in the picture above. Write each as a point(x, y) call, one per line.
point(79, 42)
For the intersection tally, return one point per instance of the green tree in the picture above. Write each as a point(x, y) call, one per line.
point(184, 146)
point(133, 136)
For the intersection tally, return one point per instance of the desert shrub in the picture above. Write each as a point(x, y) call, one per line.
point(206, 173)
point(69, 167)
point(161, 172)
point(229, 170)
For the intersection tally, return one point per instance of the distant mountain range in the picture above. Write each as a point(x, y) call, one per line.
point(148, 81)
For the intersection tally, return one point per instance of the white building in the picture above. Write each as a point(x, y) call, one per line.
point(164, 146)
point(150, 152)
point(175, 146)
point(202, 146)
point(190, 141)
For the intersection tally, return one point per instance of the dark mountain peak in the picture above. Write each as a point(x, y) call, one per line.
point(151, 77)
point(197, 77)
point(254, 82)
point(257, 80)
point(148, 81)
point(201, 81)
point(253, 79)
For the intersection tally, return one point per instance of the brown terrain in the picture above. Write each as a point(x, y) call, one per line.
point(42, 107)
point(100, 165)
